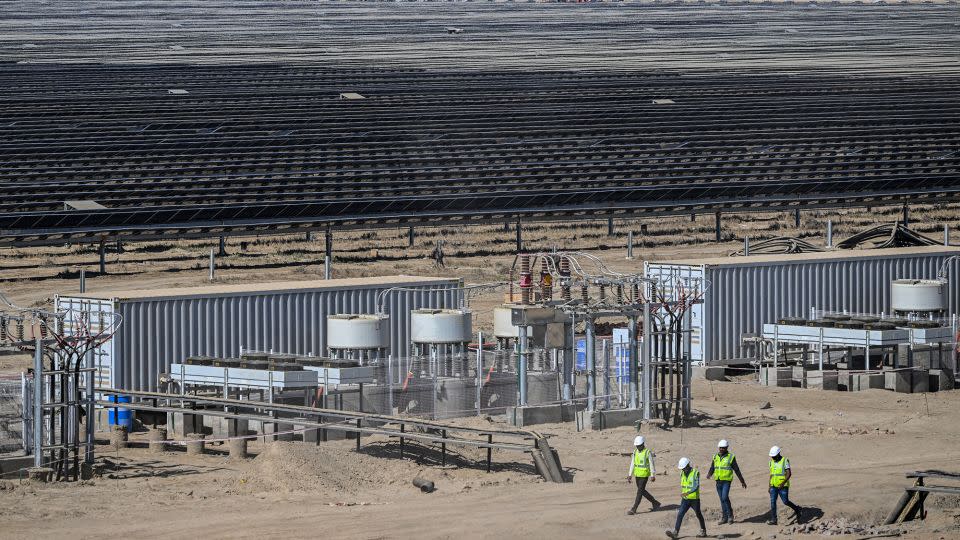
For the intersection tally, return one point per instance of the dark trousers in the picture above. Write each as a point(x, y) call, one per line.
point(784, 494)
point(688, 504)
point(642, 493)
point(723, 490)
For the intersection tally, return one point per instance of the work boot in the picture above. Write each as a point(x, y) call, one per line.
point(771, 522)
point(703, 533)
point(631, 512)
point(673, 534)
point(798, 514)
point(656, 506)
point(722, 521)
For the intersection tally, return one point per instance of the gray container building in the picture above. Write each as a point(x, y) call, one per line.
point(745, 292)
point(162, 326)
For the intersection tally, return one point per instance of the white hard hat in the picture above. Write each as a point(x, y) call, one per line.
point(683, 463)
point(722, 444)
point(774, 451)
point(638, 441)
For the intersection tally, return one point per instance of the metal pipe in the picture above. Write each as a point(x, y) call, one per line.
point(746, 245)
point(606, 372)
point(647, 383)
point(519, 236)
point(610, 226)
point(717, 225)
point(212, 264)
point(327, 271)
point(946, 235)
point(589, 346)
point(38, 402)
point(223, 247)
point(83, 280)
point(91, 400)
point(479, 371)
point(630, 245)
point(522, 365)
point(103, 257)
point(328, 254)
point(829, 233)
point(634, 359)
point(796, 218)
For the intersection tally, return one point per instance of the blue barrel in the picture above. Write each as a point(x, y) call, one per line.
point(120, 416)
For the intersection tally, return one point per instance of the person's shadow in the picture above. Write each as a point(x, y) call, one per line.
point(810, 513)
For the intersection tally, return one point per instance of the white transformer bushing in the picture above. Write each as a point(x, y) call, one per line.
point(440, 326)
point(503, 326)
point(917, 295)
point(361, 332)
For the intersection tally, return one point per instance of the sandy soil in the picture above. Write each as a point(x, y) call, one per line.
point(849, 452)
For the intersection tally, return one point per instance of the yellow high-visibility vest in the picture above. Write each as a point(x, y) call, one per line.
point(687, 481)
point(723, 467)
point(778, 473)
point(641, 463)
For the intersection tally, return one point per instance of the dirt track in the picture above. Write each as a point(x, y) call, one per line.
point(849, 452)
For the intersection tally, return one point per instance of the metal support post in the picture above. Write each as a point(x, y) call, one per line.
point(568, 363)
point(212, 264)
point(634, 360)
point(829, 233)
point(610, 226)
point(589, 346)
point(328, 257)
point(906, 215)
point(796, 218)
point(390, 384)
point(103, 257)
point(646, 375)
point(222, 252)
point(946, 235)
point(746, 245)
point(479, 371)
point(687, 359)
point(38, 402)
point(519, 236)
point(630, 245)
point(119, 246)
point(717, 225)
point(91, 400)
point(83, 280)
point(606, 372)
point(522, 365)
point(410, 235)
point(693, 218)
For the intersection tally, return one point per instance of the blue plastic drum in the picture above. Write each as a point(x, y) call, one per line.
point(120, 416)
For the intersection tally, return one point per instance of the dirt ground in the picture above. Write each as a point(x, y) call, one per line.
point(849, 453)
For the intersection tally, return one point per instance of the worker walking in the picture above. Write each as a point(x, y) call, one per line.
point(723, 468)
point(689, 497)
point(780, 474)
point(642, 469)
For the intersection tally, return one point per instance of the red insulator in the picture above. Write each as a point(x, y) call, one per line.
point(526, 280)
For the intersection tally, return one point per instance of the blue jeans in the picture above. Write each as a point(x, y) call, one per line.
point(688, 504)
point(723, 490)
point(784, 494)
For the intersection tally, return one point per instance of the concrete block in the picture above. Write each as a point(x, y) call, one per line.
point(540, 414)
point(776, 376)
point(865, 381)
point(183, 423)
point(821, 380)
point(710, 373)
point(941, 379)
point(599, 420)
point(907, 381)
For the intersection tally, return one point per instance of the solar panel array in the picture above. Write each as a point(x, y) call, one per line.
point(229, 146)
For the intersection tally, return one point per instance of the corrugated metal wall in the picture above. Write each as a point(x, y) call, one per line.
point(742, 298)
point(156, 333)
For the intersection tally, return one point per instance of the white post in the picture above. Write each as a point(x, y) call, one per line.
point(479, 370)
point(212, 264)
point(829, 233)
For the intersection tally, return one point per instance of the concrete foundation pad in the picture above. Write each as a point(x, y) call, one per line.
point(776, 376)
point(941, 379)
point(14, 467)
point(865, 381)
point(599, 420)
point(540, 414)
point(821, 380)
point(710, 373)
point(907, 381)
